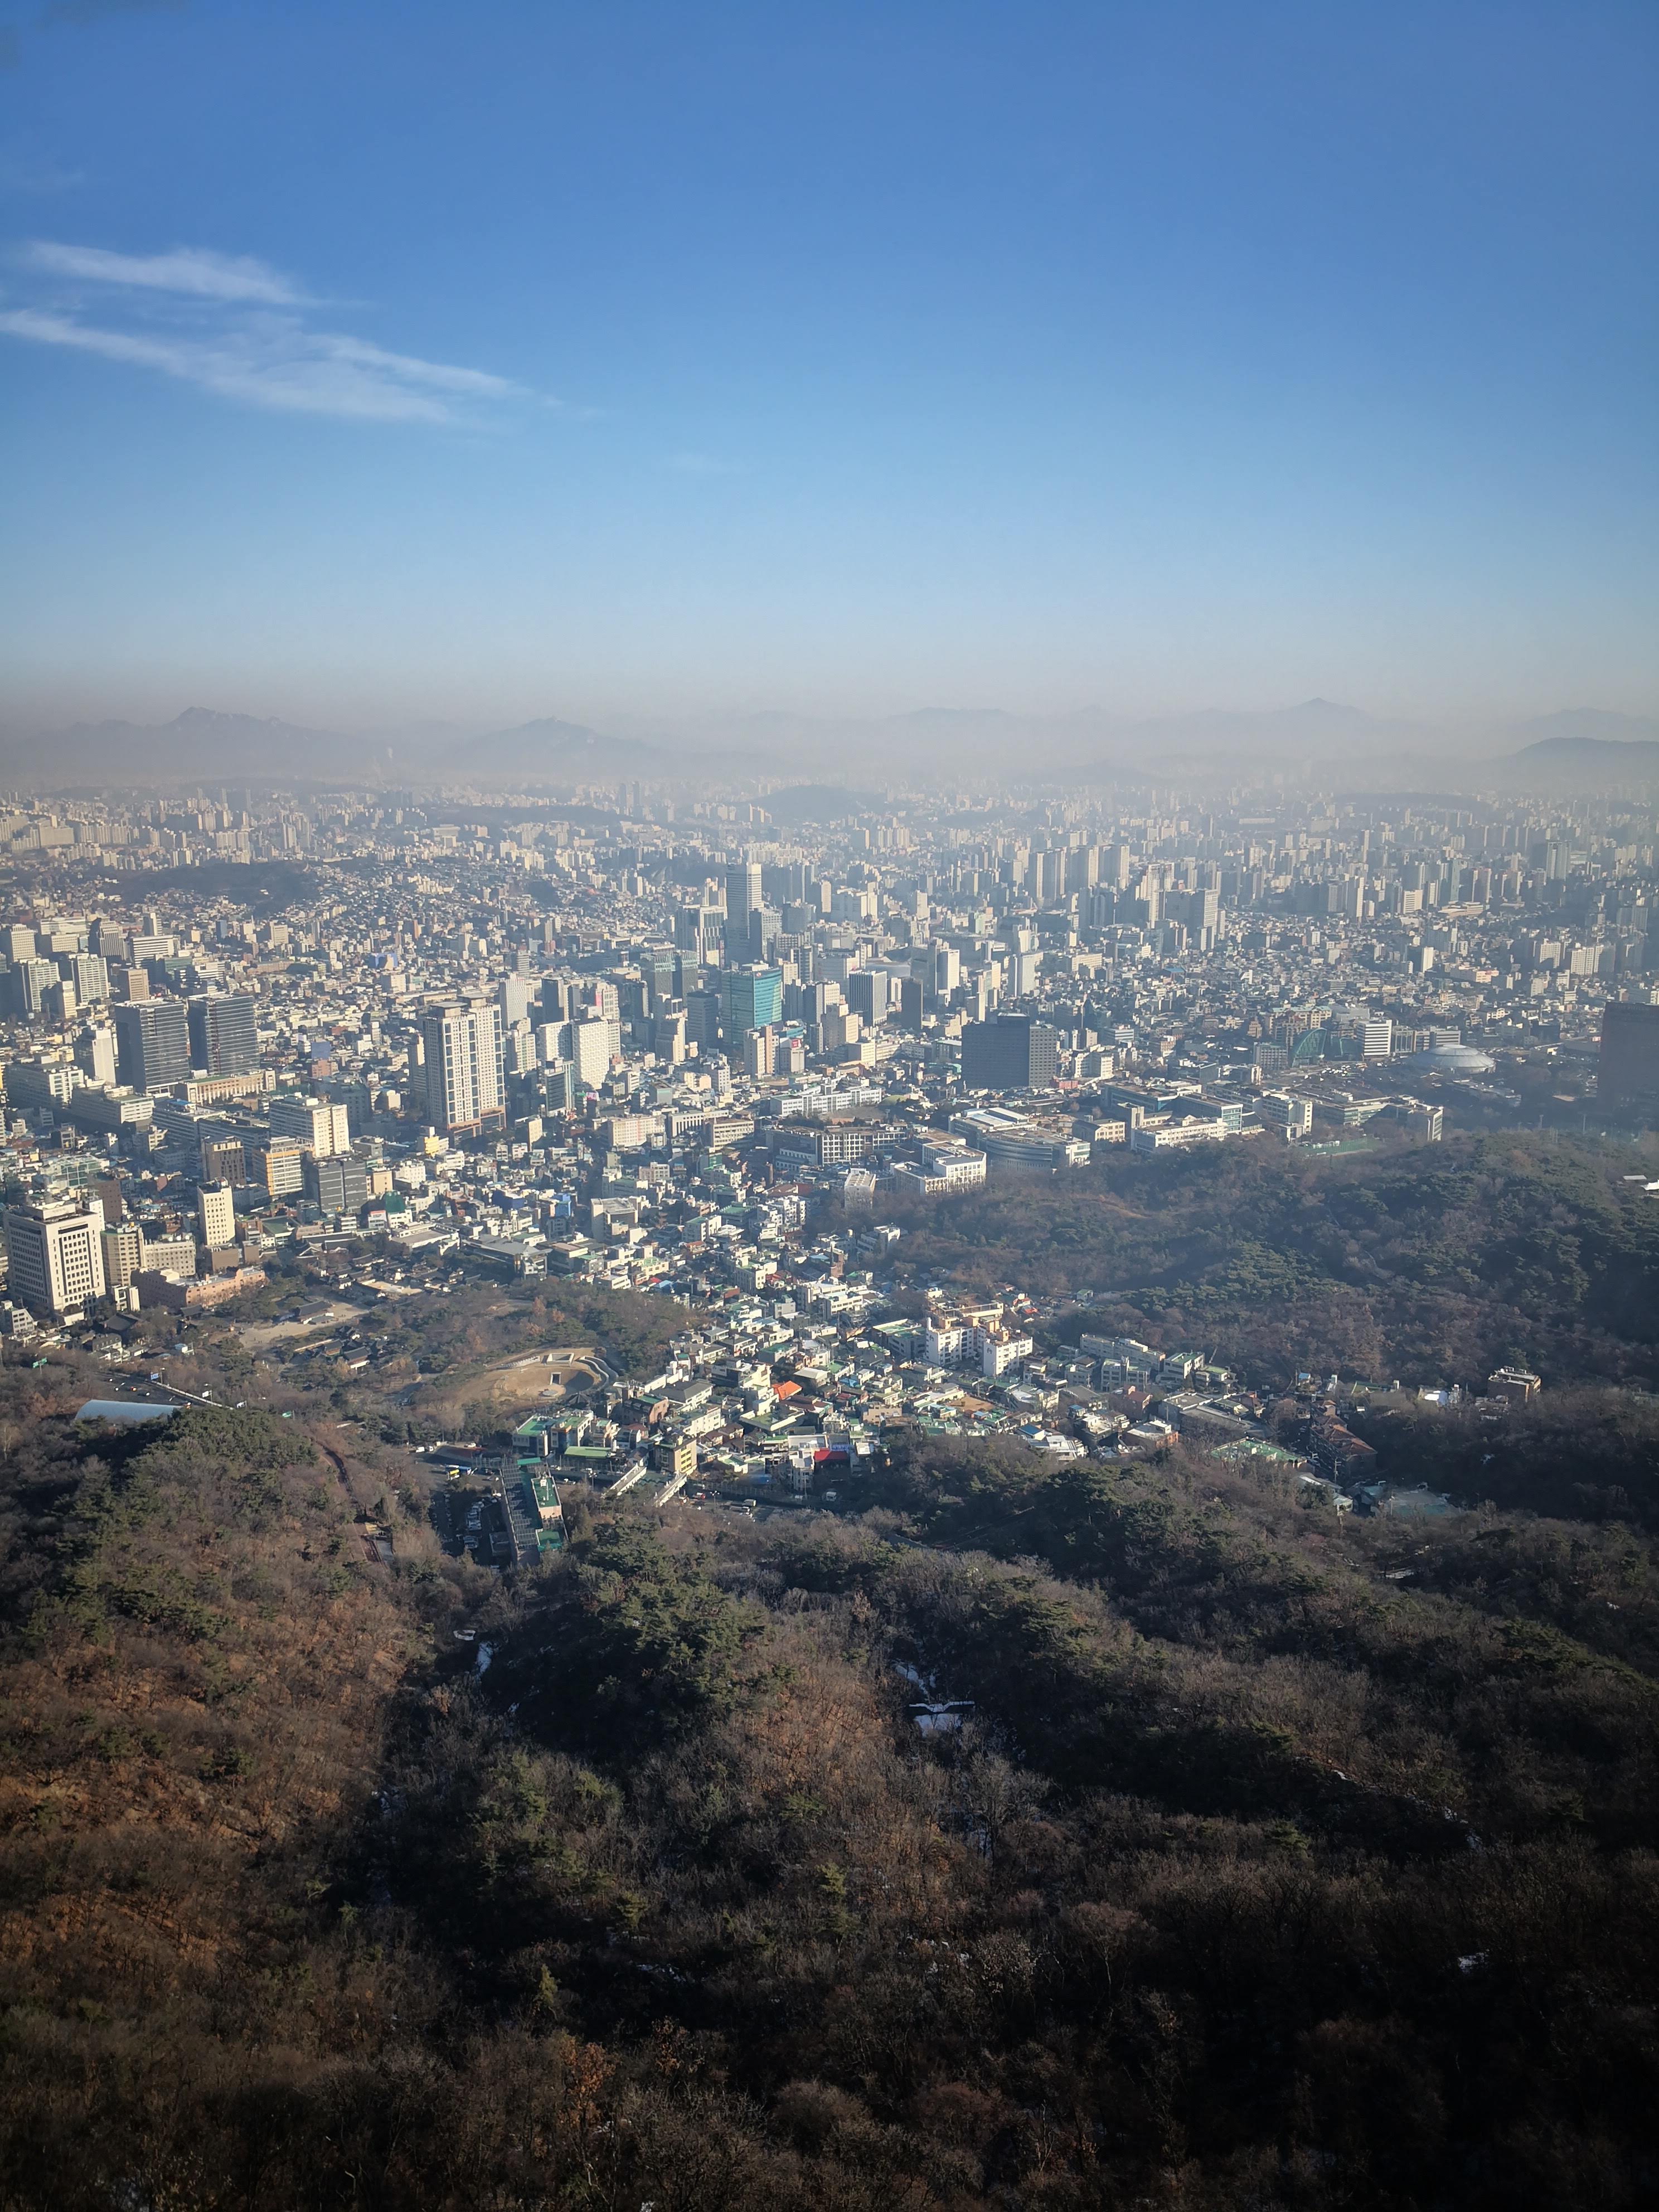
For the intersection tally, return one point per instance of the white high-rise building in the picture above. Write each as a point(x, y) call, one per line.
point(54, 1255)
point(593, 1044)
point(94, 1053)
point(122, 1248)
point(553, 1046)
point(216, 1207)
point(464, 1082)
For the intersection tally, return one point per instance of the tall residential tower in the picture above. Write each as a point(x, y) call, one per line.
point(465, 1050)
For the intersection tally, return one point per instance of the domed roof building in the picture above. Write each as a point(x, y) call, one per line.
point(1451, 1060)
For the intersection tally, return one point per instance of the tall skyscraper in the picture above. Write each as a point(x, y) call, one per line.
point(668, 1032)
point(1010, 1052)
point(223, 1040)
point(751, 998)
point(31, 980)
point(867, 994)
point(784, 886)
point(661, 972)
point(464, 1082)
point(152, 1044)
point(702, 1020)
point(742, 895)
point(696, 932)
point(54, 1255)
point(1630, 1052)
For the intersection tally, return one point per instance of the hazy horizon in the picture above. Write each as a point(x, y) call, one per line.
point(715, 727)
point(672, 366)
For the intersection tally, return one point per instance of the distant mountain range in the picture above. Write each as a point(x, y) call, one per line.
point(197, 746)
point(203, 746)
point(1586, 749)
point(548, 746)
point(931, 743)
point(1318, 739)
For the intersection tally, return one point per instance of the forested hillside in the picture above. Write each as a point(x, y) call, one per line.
point(1265, 1859)
point(1438, 1262)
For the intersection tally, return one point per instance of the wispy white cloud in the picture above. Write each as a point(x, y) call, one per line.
point(190, 271)
point(230, 325)
point(438, 374)
point(275, 362)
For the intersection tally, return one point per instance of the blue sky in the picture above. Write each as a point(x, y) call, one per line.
point(364, 362)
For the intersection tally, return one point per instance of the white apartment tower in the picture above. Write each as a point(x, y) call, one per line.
point(464, 1047)
point(216, 1206)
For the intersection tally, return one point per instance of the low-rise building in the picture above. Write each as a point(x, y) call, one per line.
point(942, 1170)
point(1516, 1384)
point(199, 1294)
point(1009, 1140)
point(1178, 1134)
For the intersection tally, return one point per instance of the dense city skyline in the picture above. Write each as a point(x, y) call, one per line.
point(828, 1106)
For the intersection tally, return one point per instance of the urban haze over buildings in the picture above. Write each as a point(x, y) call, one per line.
point(477, 1004)
point(829, 1107)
